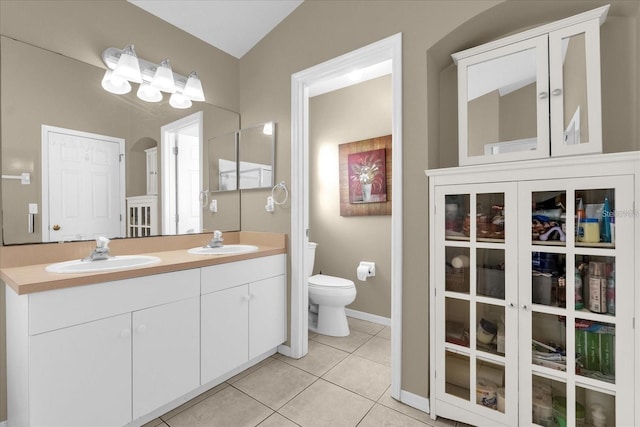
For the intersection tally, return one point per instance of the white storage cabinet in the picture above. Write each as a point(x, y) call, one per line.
point(532, 95)
point(513, 336)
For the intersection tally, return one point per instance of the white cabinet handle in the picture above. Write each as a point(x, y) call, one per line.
point(141, 329)
point(556, 92)
point(543, 95)
point(524, 306)
point(125, 333)
point(246, 297)
point(511, 304)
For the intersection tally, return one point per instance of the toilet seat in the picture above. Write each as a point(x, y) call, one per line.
point(325, 281)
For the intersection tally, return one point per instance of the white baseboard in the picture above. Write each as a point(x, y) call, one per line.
point(285, 350)
point(368, 317)
point(3, 423)
point(415, 401)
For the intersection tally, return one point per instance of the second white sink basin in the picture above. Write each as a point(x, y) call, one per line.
point(223, 250)
point(114, 263)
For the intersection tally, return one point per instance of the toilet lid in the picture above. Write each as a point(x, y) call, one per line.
point(329, 281)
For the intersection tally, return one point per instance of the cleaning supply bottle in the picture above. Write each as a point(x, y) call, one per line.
point(580, 215)
point(579, 302)
point(606, 222)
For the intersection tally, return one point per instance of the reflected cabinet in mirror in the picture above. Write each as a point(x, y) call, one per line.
point(45, 90)
point(532, 95)
point(255, 156)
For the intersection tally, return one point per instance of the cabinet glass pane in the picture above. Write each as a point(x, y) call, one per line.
point(457, 375)
point(574, 82)
point(490, 217)
point(544, 391)
point(595, 277)
point(490, 273)
point(548, 218)
point(549, 341)
point(598, 409)
point(595, 350)
point(490, 385)
point(457, 321)
point(548, 279)
point(490, 328)
point(502, 104)
point(456, 212)
point(595, 217)
point(457, 269)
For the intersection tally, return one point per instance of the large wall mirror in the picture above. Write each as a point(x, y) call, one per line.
point(40, 87)
point(255, 156)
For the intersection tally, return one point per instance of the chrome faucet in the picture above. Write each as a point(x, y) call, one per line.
point(217, 240)
point(100, 252)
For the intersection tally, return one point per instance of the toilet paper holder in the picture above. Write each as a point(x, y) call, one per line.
point(366, 269)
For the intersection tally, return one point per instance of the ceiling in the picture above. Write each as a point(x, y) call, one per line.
point(233, 26)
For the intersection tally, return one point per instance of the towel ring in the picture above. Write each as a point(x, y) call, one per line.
point(280, 188)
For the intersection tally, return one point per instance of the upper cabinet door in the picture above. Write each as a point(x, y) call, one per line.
point(574, 74)
point(503, 103)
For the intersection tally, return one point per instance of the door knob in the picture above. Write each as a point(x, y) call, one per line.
point(543, 95)
point(556, 92)
point(56, 227)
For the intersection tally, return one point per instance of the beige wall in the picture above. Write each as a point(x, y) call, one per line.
point(321, 30)
point(355, 113)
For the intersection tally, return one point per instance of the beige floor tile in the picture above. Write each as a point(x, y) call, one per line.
point(195, 400)
point(247, 371)
point(390, 402)
point(364, 326)
point(348, 344)
point(277, 420)
point(155, 423)
point(229, 407)
point(376, 349)
point(385, 333)
point(275, 384)
point(318, 360)
point(383, 416)
point(324, 404)
point(362, 376)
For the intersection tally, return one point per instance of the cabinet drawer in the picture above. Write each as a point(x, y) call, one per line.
point(65, 307)
point(223, 276)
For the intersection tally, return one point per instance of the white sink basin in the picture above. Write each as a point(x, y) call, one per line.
point(114, 263)
point(223, 250)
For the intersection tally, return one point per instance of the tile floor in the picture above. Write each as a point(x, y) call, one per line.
point(340, 382)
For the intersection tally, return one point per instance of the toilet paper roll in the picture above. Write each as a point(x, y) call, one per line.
point(362, 272)
point(460, 261)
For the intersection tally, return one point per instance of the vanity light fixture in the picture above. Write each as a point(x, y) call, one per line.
point(153, 78)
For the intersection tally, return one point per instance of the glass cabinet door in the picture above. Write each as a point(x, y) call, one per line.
point(576, 281)
point(476, 323)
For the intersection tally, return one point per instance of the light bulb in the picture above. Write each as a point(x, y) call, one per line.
point(193, 87)
point(148, 93)
point(128, 66)
point(115, 84)
point(180, 101)
point(163, 78)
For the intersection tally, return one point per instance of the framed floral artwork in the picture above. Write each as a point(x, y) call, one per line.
point(365, 177)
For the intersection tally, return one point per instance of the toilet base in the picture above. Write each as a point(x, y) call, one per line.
point(331, 321)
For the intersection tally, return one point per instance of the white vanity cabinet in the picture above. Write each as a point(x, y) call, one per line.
point(530, 308)
point(102, 354)
point(243, 308)
point(532, 95)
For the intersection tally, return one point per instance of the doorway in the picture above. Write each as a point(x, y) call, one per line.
point(181, 182)
point(83, 185)
point(328, 76)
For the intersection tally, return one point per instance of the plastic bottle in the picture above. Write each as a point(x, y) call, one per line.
point(580, 215)
point(606, 221)
point(579, 302)
point(611, 293)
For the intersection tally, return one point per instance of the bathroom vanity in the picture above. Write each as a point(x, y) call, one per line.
point(123, 351)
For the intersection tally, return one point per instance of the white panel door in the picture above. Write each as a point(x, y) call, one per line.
point(225, 326)
point(267, 315)
point(84, 199)
point(188, 175)
point(81, 376)
point(166, 354)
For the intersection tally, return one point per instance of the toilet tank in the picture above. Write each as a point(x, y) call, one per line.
point(311, 257)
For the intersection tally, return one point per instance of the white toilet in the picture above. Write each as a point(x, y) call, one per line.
point(328, 295)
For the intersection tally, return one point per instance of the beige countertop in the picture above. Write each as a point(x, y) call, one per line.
point(24, 279)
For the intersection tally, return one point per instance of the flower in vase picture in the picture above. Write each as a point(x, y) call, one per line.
point(367, 177)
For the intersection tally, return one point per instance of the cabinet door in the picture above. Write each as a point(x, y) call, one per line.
point(574, 64)
point(152, 170)
point(225, 336)
point(503, 105)
point(475, 322)
point(81, 375)
point(576, 301)
point(267, 315)
point(166, 354)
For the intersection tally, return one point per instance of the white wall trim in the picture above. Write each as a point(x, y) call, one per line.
point(4, 423)
point(374, 318)
point(415, 401)
point(387, 49)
